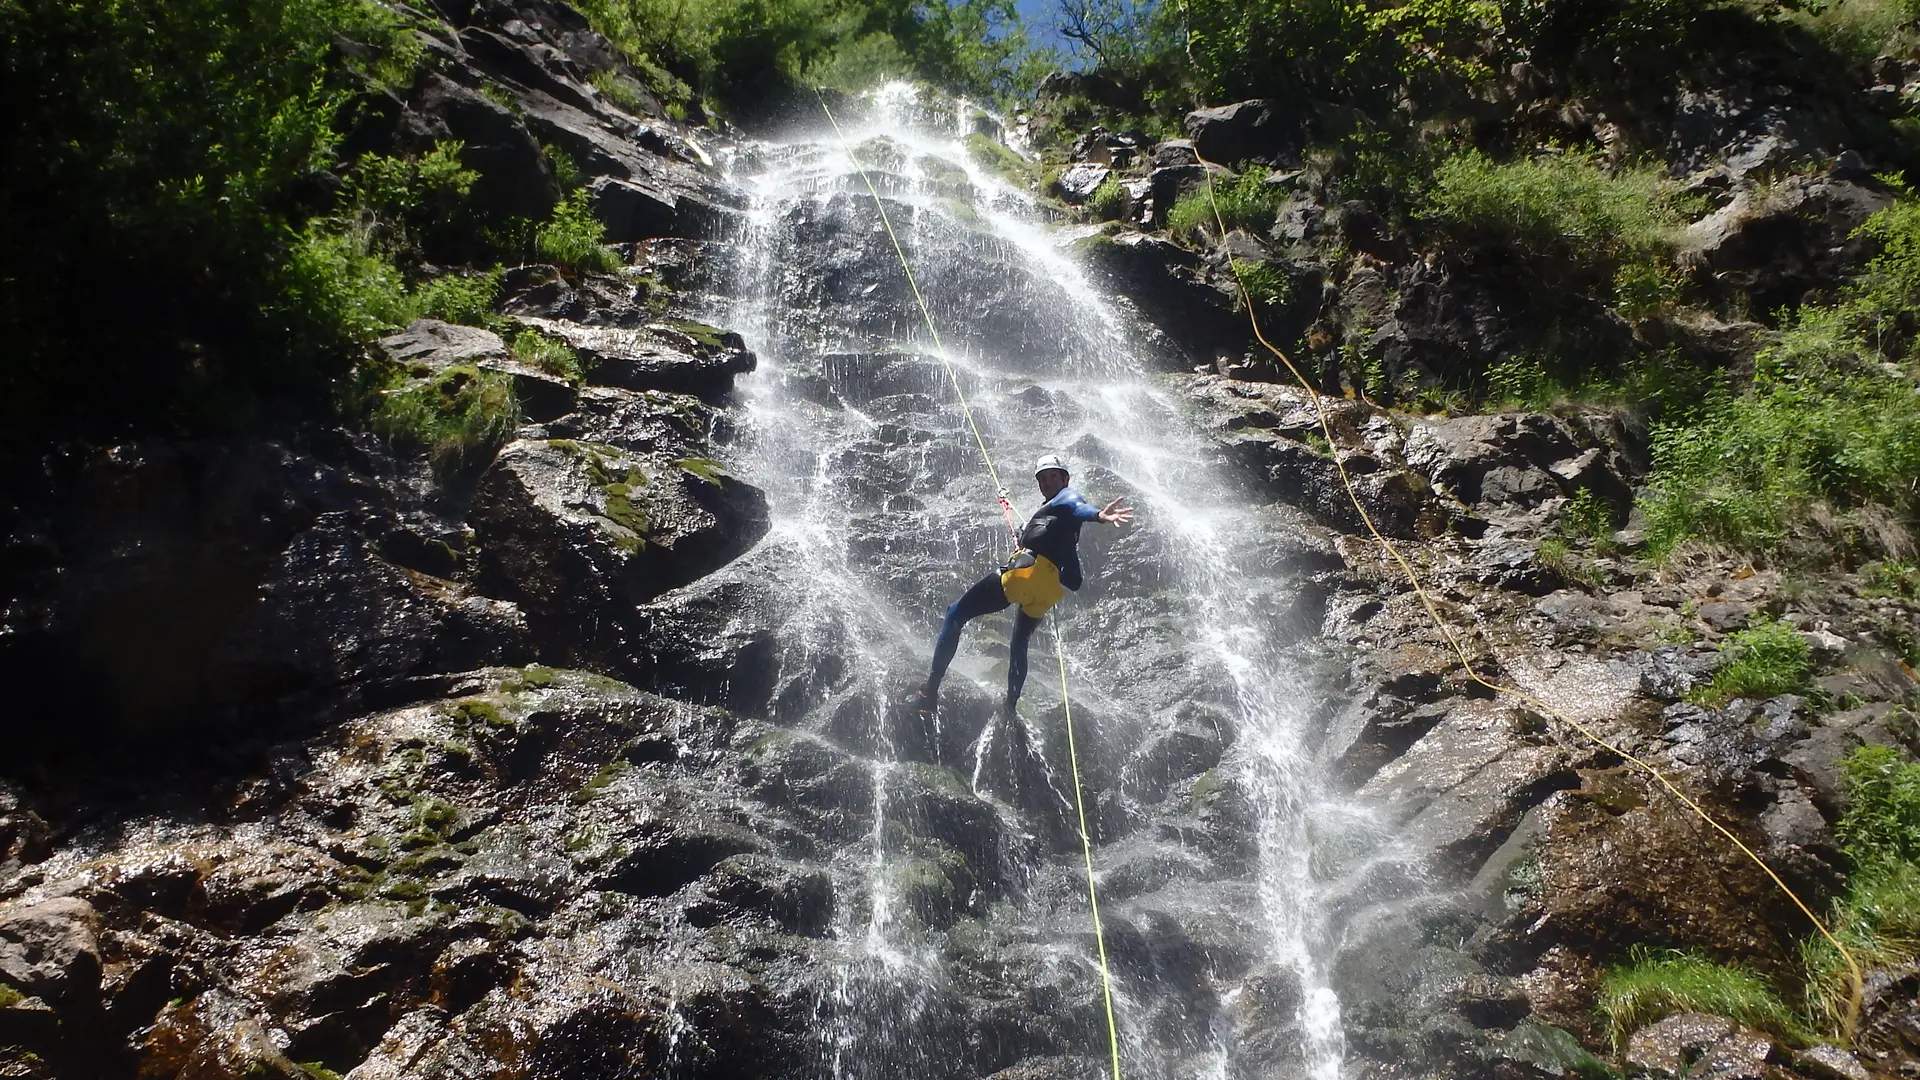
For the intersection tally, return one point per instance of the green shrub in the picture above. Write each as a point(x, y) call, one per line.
point(1559, 207)
point(159, 165)
point(459, 416)
point(573, 238)
point(551, 355)
point(1651, 985)
point(1765, 660)
point(1891, 577)
point(1588, 517)
point(1108, 200)
point(1816, 426)
point(1879, 917)
point(340, 281)
point(1266, 283)
point(1246, 202)
point(618, 89)
point(466, 299)
point(1881, 828)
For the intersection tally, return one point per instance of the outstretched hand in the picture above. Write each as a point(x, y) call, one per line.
point(1117, 512)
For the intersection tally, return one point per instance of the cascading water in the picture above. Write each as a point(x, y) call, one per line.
point(1177, 645)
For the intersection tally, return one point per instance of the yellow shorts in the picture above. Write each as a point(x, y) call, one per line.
point(1035, 588)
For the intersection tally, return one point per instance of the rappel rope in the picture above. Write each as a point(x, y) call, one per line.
point(1006, 510)
point(1453, 640)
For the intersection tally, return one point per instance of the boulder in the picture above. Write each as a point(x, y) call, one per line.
point(1246, 130)
point(1776, 246)
point(1696, 1045)
point(1516, 460)
point(1749, 128)
point(334, 618)
point(1173, 153)
point(429, 346)
point(1079, 182)
point(635, 211)
point(685, 358)
point(51, 949)
point(581, 531)
point(1168, 284)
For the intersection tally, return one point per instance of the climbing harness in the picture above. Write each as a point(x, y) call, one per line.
point(1032, 585)
point(1033, 582)
point(1459, 650)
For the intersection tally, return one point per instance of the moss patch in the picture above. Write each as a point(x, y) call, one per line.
point(999, 159)
point(705, 469)
point(608, 775)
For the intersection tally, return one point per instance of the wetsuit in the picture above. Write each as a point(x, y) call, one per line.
point(1050, 544)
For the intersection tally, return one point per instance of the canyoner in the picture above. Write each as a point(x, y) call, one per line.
point(1044, 566)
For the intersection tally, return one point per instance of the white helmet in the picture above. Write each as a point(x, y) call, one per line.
point(1051, 461)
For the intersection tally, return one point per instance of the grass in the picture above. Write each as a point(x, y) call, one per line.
point(1765, 660)
point(457, 416)
point(547, 354)
point(1654, 984)
point(1247, 202)
point(10, 997)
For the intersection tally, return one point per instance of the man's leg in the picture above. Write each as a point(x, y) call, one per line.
point(985, 598)
point(1023, 626)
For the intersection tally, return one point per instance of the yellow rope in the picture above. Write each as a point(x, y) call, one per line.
point(1073, 753)
point(1086, 848)
point(1426, 600)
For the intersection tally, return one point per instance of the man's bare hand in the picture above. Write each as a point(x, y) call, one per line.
point(1117, 512)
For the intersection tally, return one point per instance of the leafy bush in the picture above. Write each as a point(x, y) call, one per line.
point(1656, 984)
point(467, 299)
point(1246, 202)
point(1808, 430)
point(1881, 828)
point(1267, 283)
point(1765, 660)
point(1891, 577)
point(156, 161)
point(458, 416)
point(1108, 200)
point(1587, 517)
point(1825, 422)
point(745, 53)
point(573, 237)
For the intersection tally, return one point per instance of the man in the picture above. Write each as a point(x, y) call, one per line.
point(1035, 577)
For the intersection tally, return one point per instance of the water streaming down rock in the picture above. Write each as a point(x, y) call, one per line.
point(1197, 719)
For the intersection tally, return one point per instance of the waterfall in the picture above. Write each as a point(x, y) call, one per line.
point(1197, 720)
